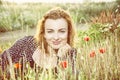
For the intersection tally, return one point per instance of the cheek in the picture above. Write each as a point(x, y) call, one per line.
point(48, 36)
point(64, 36)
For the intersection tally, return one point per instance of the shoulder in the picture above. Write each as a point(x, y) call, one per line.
point(30, 41)
point(27, 39)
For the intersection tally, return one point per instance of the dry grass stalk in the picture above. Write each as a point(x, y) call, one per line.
point(110, 17)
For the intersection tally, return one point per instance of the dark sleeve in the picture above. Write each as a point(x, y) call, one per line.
point(14, 53)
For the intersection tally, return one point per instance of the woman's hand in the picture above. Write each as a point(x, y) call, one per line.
point(62, 52)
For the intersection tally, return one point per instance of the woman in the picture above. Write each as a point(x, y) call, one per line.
point(54, 37)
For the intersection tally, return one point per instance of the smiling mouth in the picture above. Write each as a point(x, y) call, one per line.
point(56, 42)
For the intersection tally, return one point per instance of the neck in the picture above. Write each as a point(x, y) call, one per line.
point(56, 50)
point(52, 51)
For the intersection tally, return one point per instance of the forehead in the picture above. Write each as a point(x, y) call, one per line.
point(56, 23)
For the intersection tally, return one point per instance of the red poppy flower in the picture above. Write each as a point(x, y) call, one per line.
point(17, 65)
point(102, 50)
point(92, 54)
point(63, 64)
point(87, 38)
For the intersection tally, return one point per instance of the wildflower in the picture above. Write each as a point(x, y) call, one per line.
point(63, 64)
point(102, 50)
point(0, 49)
point(17, 65)
point(92, 54)
point(87, 38)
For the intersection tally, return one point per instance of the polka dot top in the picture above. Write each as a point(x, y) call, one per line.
point(21, 51)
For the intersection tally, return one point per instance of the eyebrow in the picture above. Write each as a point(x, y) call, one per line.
point(49, 29)
point(59, 29)
point(63, 29)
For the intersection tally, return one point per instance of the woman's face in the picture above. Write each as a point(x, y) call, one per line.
point(56, 32)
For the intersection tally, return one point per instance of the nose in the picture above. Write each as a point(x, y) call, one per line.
point(56, 37)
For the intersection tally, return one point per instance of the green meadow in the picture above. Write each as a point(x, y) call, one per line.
point(97, 41)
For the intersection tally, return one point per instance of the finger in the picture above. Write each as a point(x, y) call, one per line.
point(63, 50)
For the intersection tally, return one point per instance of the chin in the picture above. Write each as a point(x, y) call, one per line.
point(55, 46)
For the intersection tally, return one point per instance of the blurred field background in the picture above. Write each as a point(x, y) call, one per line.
point(98, 34)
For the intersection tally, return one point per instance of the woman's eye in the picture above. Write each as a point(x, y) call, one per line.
point(49, 31)
point(62, 31)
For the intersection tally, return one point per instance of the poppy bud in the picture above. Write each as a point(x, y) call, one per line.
point(102, 50)
point(87, 38)
point(63, 64)
point(17, 65)
point(92, 54)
